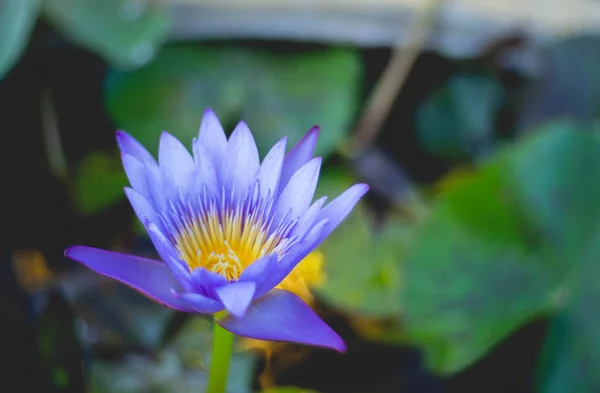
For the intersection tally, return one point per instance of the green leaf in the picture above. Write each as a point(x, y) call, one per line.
point(17, 18)
point(555, 177)
point(499, 248)
point(362, 266)
point(570, 359)
point(125, 32)
point(99, 181)
point(457, 121)
point(471, 278)
point(277, 95)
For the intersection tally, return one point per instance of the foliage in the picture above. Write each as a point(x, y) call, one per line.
point(277, 95)
point(511, 244)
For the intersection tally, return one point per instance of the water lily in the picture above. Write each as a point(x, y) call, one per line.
point(229, 229)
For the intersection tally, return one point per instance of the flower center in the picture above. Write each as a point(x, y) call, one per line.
point(228, 265)
point(224, 241)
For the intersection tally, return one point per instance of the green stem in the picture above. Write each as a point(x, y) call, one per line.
point(219, 363)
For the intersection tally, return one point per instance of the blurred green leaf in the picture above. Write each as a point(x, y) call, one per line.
point(277, 95)
point(457, 121)
point(555, 177)
point(99, 181)
point(471, 278)
point(126, 32)
point(498, 249)
point(17, 18)
point(362, 266)
point(570, 359)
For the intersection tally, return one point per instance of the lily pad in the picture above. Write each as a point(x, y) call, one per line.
point(362, 265)
point(127, 33)
point(276, 94)
point(498, 249)
point(570, 359)
point(17, 18)
point(457, 121)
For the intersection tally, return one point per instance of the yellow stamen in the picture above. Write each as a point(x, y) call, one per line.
point(308, 273)
point(225, 243)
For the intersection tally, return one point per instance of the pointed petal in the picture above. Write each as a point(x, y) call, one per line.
point(129, 145)
point(200, 304)
point(169, 255)
point(136, 173)
point(236, 297)
point(241, 162)
point(283, 316)
point(207, 281)
point(143, 209)
point(338, 209)
point(259, 269)
point(205, 174)
point(299, 155)
point(309, 217)
point(270, 170)
point(281, 269)
point(297, 195)
point(212, 137)
point(151, 278)
point(175, 161)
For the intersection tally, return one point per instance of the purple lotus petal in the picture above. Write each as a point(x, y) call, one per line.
point(175, 161)
point(299, 155)
point(281, 269)
point(241, 162)
point(338, 209)
point(283, 316)
point(205, 175)
point(151, 278)
point(200, 304)
point(213, 216)
point(297, 195)
point(270, 169)
point(129, 145)
point(207, 281)
point(306, 222)
point(143, 209)
point(136, 173)
point(236, 297)
point(259, 269)
point(212, 137)
point(169, 255)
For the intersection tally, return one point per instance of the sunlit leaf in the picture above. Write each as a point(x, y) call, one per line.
point(126, 32)
point(17, 18)
point(277, 95)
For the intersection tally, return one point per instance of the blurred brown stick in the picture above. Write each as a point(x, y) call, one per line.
point(389, 84)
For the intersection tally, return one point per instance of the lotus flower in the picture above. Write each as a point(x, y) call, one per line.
point(228, 229)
